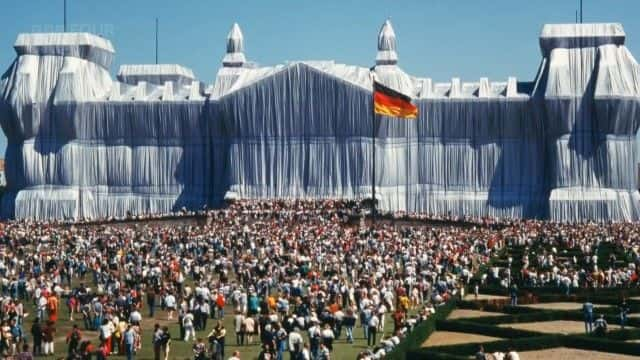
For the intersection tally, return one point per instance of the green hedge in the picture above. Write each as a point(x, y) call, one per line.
point(521, 344)
point(483, 329)
point(432, 355)
point(601, 344)
point(523, 340)
point(417, 337)
point(558, 293)
point(583, 342)
point(537, 315)
point(623, 335)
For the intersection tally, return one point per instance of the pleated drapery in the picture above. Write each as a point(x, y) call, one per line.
point(560, 147)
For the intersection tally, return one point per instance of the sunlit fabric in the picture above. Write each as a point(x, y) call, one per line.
point(84, 145)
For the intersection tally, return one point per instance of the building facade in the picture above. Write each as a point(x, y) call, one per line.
point(154, 140)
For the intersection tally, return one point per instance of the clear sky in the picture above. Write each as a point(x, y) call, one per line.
point(437, 39)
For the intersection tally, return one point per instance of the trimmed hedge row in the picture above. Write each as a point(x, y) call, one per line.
point(527, 315)
point(583, 342)
point(557, 292)
point(534, 316)
point(483, 329)
point(601, 344)
point(523, 340)
point(417, 337)
point(624, 335)
point(432, 355)
point(521, 344)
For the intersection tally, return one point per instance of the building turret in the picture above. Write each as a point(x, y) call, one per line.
point(387, 54)
point(235, 48)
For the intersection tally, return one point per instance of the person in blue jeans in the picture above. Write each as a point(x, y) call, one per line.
point(98, 313)
point(349, 323)
point(365, 316)
point(624, 311)
point(130, 342)
point(514, 295)
point(281, 339)
point(587, 310)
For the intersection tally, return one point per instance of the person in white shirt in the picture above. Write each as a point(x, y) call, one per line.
point(498, 355)
point(327, 337)
point(306, 353)
point(106, 330)
point(382, 309)
point(187, 323)
point(135, 317)
point(205, 310)
point(42, 307)
point(295, 343)
point(512, 355)
point(238, 323)
point(374, 322)
point(249, 329)
point(235, 356)
point(170, 303)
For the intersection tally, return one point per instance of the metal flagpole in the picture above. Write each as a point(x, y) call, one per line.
point(373, 151)
point(65, 16)
point(156, 41)
point(373, 165)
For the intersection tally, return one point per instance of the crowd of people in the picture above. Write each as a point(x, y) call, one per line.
point(571, 256)
point(292, 277)
point(511, 354)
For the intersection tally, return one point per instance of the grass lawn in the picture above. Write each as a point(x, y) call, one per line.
point(181, 349)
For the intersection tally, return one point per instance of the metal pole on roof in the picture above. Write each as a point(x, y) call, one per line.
point(156, 41)
point(373, 150)
point(580, 11)
point(65, 16)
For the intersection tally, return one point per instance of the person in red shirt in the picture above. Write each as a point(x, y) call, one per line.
point(398, 319)
point(220, 301)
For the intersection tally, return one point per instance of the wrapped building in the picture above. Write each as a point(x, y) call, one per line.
point(155, 139)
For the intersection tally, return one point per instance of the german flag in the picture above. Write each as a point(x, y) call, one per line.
point(389, 102)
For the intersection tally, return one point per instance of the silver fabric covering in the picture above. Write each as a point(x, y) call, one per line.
point(83, 145)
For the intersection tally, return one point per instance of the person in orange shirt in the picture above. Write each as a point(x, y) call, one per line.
point(271, 301)
point(52, 307)
point(334, 307)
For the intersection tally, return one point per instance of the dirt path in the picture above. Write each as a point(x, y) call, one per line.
point(440, 338)
point(469, 314)
point(554, 327)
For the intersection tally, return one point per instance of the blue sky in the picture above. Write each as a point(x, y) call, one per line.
point(437, 39)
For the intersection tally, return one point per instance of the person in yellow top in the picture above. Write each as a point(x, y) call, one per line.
point(52, 307)
point(121, 328)
point(404, 303)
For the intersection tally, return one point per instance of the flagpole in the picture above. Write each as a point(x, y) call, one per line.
point(157, 41)
point(373, 162)
point(65, 15)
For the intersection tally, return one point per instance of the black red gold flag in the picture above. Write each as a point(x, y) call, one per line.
point(389, 102)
